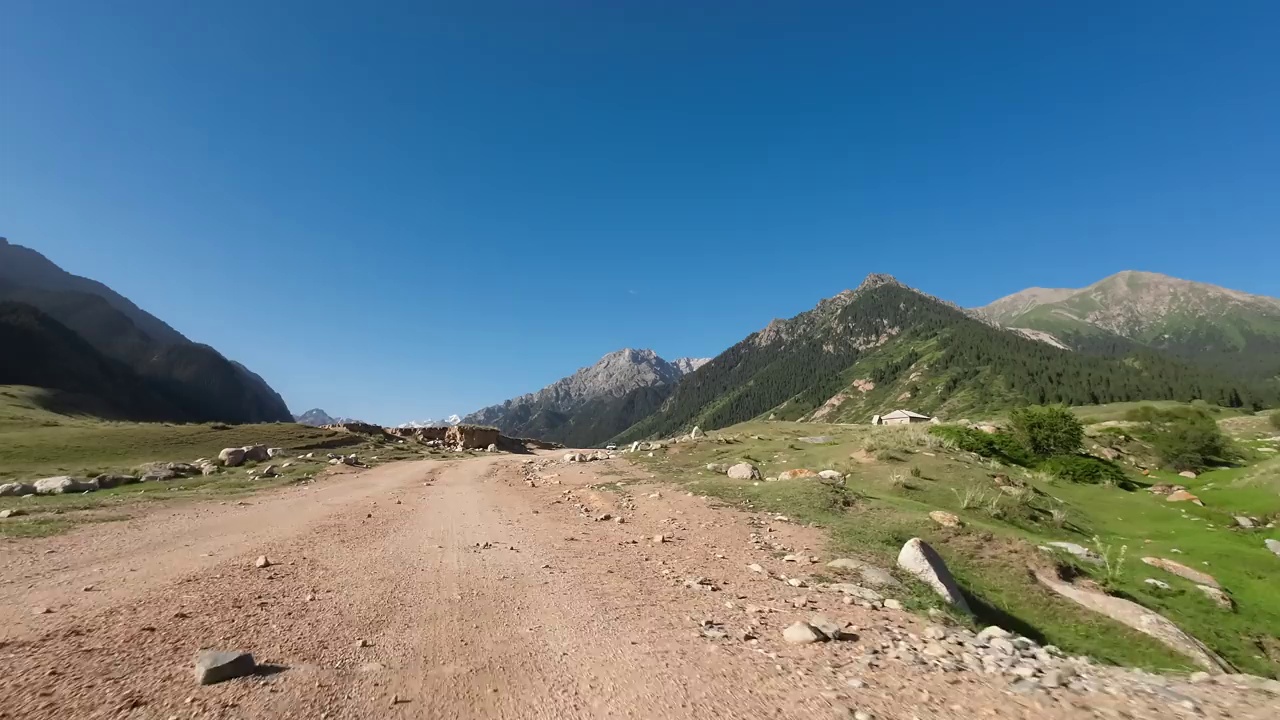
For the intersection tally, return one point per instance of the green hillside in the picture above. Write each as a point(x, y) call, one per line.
point(886, 345)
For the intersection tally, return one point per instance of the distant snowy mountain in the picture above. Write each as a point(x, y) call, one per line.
point(447, 422)
point(318, 417)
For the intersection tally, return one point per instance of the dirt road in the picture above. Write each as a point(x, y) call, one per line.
point(457, 590)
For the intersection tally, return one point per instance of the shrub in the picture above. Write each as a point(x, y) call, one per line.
point(1183, 438)
point(916, 472)
point(1047, 431)
point(999, 446)
point(1085, 470)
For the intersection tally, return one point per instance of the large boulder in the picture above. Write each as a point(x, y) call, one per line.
point(17, 489)
point(796, 474)
point(744, 471)
point(926, 565)
point(1182, 571)
point(256, 453)
point(1140, 619)
point(232, 457)
point(63, 484)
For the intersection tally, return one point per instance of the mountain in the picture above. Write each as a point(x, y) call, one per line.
point(1226, 329)
point(884, 346)
point(592, 404)
point(447, 422)
point(41, 352)
point(198, 382)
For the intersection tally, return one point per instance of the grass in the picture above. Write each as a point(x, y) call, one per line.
point(880, 508)
point(36, 443)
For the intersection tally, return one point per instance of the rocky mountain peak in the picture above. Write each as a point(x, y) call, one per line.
point(875, 280)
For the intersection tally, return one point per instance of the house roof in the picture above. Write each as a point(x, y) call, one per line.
point(904, 414)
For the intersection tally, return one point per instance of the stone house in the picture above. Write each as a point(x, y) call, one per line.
point(901, 417)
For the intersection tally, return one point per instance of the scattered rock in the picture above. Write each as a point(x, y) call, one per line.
point(1079, 551)
point(659, 538)
point(1187, 474)
point(831, 629)
point(270, 471)
point(945, 519)
point(231, 457)
point(214, 666)
point(62, 484)
point(744, 471)
point(106, 481)
point(1159, 584)
point(17, 489)
point(11, 512)
point(756, 568)
point(262, 562)
point(1184, 496)
point(871, 575)
point(796, 583)
point(1244, 522)
point(924, 563)
point(1220, 598)
point(802, 633)
point(1182, 571)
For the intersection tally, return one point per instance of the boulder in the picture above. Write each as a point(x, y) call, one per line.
point(695, 433)
point(63, 484)
point(270, 471)
point(17, 489)
point(744, 471)
point(157, 472)
point(10, 512)
point(1244, 522)
point(816, 439)
point(232, 457)
point(1187, 474)
point(831, 475)
point(272, 452)
point(214, 666)
point(1140, 619)
point(796, 474)
point(1220, 598)
point(1158, 584)
point(255, 453)
point(720, 468)
point(1182, 571)
point(1183, 496)
point(945, 519)
point(924, 563)
point(1079, 551)
point(802, 633)
point(1272, 545)
point(491, 447)
point(208, 469)
point(106, 481)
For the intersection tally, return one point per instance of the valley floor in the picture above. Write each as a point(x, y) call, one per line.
point(456, 589)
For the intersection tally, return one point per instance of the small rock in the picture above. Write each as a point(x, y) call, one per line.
point(362, 643)
point(862, 715)
point(796, 583)
point(801, 633)
point(11, 512)
point(214, 666)
point(42, 611)
point(262, 562)
point(659, 538)
point(892, 604)
point(945, 519)
point(1159, 584)
point(755, 568)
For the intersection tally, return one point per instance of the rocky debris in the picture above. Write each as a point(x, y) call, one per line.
point(231, 457)
point(1075, 550)
point(63, 484)
point(796, 474)
point(161, 471)
point(1187, 474)
point(208, 469)
point(744, 471)
point(10, 512)
point(1195, 576)
point(106, 481)
point(17, 489)
point(945, 519)
point(923, 562)
point(1158, 584)
point(1140, 619)
point(1220, 598)
point(1272, 545)
point(215, 666)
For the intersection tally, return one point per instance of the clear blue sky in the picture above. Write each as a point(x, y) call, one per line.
point(399, 212)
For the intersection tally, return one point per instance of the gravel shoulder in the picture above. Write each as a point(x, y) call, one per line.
point(463, 589)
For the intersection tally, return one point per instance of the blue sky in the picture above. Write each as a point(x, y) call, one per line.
point(400, 211)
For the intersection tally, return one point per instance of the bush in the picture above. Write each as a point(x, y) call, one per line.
point(1085, 470)
point(997, 445)
point(1183, 438)
point(1275, 419)
point(1047, 431)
